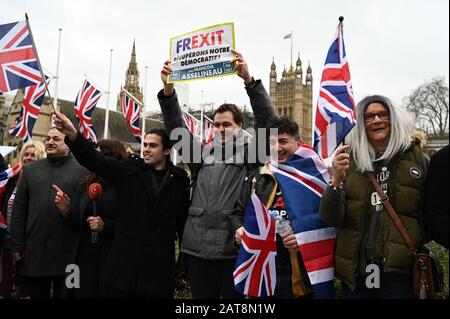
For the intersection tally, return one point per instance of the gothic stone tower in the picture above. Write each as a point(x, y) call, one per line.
point(292, 98)
point(131, 81)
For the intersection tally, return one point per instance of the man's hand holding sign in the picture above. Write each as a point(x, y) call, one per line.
point(239, 63)
point(203, 53)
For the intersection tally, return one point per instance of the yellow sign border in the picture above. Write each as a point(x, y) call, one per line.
point(233, 45)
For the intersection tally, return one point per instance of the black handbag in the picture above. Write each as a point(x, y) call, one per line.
point(428, 275)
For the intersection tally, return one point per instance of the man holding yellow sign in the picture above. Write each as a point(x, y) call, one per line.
point(220, 172)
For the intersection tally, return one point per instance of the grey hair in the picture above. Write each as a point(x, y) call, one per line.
point(399, 140)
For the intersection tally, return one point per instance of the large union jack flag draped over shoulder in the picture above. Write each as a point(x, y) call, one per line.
point(84, 106)
point(131, 111)
point(32, 101)
point(19, 67)
point(302, 180)
point(255, 271)
point(335, 113)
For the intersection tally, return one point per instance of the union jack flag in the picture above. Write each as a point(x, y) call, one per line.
point(192, 124)
point(131, 112)
point(5, 176)
point(84, 106)
point(335, 113)
point(32, 101)
point(255, 271)
point(302, 180)
point(208, 130)
point(18, 60)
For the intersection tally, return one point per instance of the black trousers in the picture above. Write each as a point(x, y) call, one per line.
point(113, 293)
point(392, 286)
point(211, 279)
point(44, 287)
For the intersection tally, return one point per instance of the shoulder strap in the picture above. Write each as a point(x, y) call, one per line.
point(393, 214)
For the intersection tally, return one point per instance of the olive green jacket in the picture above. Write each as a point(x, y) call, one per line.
point(347, 209)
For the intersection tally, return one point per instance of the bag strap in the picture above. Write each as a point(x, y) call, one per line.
point(393, 214)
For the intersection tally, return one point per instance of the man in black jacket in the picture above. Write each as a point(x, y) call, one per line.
point(153, 199)
point(435, 215)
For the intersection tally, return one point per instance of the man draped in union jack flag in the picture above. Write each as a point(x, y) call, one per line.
point(18, 60)
point(335, 113)
point(290, 186)
point(32, 101)
point(131, 111)
point(84, 106)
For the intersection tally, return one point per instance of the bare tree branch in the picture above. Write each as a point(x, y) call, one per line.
point(429, 104)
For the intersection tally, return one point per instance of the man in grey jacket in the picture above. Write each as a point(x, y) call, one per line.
point(41, 244)
point(208, 240)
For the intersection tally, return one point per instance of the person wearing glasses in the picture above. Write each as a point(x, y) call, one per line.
point(219, 170)
point(371, 259)
point(40, 242)
point(153, 198)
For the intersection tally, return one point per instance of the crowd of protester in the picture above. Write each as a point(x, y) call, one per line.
point(117, 218)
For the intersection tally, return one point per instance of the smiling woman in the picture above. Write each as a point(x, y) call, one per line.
point(380, 144)
point(378, 127)
point(377, 135)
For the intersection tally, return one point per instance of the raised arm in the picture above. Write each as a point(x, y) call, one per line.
point(171, 111)
point(260, 101)
point(85, 153)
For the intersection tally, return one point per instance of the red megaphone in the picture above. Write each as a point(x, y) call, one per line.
point(95, 191)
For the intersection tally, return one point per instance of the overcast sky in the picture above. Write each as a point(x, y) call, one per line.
point(392, 45)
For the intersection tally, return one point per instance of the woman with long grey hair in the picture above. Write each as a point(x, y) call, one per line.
point(368, 241)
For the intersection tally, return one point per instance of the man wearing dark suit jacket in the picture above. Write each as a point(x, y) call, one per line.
point(39, 240)
point(153, 200)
